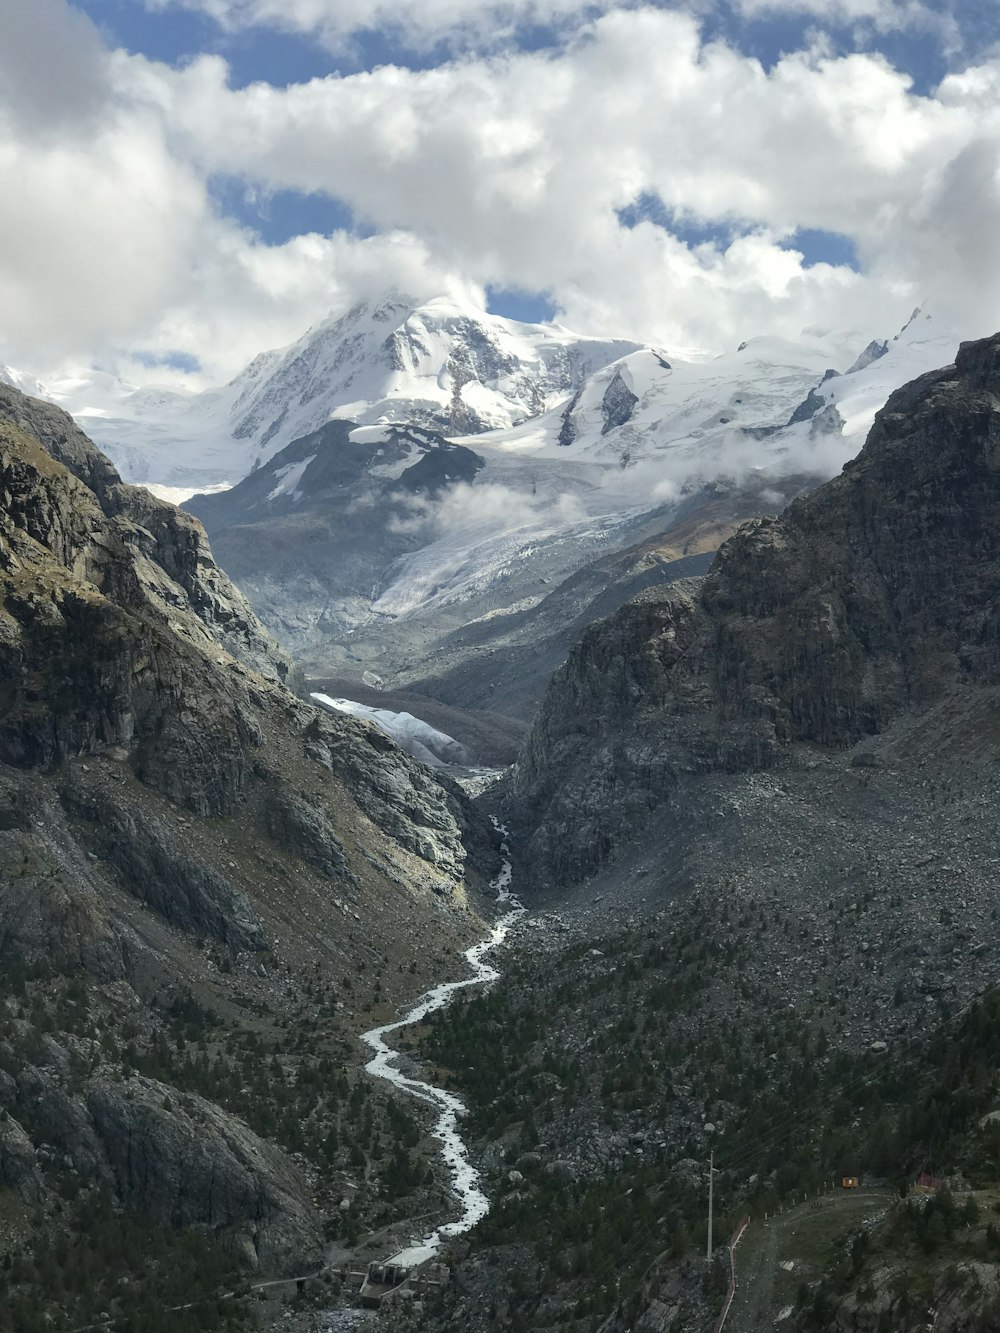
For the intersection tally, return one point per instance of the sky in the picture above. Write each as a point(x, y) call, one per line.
point(186, 183)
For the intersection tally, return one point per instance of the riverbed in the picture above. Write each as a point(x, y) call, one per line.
point(465, 1178)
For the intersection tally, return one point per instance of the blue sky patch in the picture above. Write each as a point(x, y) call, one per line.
point(917, 49)
point(692, 231)
point(815, 246)
point(175, 36)
point(278, 217)
point(175, 360)
point(823, 247)
point(526, 307)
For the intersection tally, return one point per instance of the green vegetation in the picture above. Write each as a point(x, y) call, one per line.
point(103, 1262)
point(91, 1257)
point(617, 1052)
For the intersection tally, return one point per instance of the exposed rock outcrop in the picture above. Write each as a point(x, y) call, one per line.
point(303, 826)
point(877, 593)
point(171, 816)
point(171, 564)
point(177, 1157)
point(18, 1162)
point(182, 888)
point(617, 404)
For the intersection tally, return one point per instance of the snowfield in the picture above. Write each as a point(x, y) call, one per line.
point(441, 365)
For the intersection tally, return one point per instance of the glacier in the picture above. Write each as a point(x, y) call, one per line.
point(417, 738)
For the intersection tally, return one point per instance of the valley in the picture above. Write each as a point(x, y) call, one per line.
point(749, 766)
point(499, 666)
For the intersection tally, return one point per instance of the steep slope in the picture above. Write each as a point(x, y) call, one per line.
point(186, 847)
point(877, 593)
point(759, 816)
point(311, 532)
point(507, 658)
point(758, 406)
point(442, 365)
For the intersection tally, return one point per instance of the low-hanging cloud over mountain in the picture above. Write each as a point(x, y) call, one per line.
point(652, 181)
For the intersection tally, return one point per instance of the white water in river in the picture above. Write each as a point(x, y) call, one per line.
point(465, 1178)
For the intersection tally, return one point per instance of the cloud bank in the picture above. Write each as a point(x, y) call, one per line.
point(508, 168)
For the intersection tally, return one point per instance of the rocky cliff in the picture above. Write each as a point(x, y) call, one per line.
point(183, 841)
point(877, 594)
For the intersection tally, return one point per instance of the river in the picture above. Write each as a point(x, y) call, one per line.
point(465, 1178)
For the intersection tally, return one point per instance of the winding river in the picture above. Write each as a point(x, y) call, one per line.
point(465, 1178)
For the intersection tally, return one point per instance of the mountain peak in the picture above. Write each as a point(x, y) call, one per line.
point(442, 365)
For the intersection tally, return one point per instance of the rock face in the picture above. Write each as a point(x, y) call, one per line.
point(299, 823)
point(192, 1165)
point(175, 822)
point(106, 527)
point(311, 534)
point(878, 593)
point(18, 1163)
point(617, 404)
point(102, 647)
point(178, 1158)
point(182, 888)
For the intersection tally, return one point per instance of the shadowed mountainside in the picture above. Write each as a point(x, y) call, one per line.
point(877, 593)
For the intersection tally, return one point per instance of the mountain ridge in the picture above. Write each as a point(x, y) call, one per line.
point(442, 365)
point(818, 626)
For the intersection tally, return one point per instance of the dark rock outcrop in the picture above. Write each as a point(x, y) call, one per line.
point(170, 561)
point(568, 429)
point(172, 1155)
point(813, 403)
point(877, 593)
point(617, 405)
point(303, 826)
point(18, 1162)
point(99, 646)
point(181, 887)
point(188, 1163)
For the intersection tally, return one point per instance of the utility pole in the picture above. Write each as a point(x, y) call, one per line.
point(711, 1183)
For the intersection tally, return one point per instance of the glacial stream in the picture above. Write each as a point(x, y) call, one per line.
point(465, 1178)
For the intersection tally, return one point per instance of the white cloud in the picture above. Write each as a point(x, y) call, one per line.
point(48, 37)
point(885, 15)
point(465, 512)
point(512, 170)
point(504, 170)
point(419, 24)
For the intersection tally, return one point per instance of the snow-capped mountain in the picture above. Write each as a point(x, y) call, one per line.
point(419, 493)
point(25, 383)
point(519, 389)
point(357, 567)
point(769, 400)
point(442, 365)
